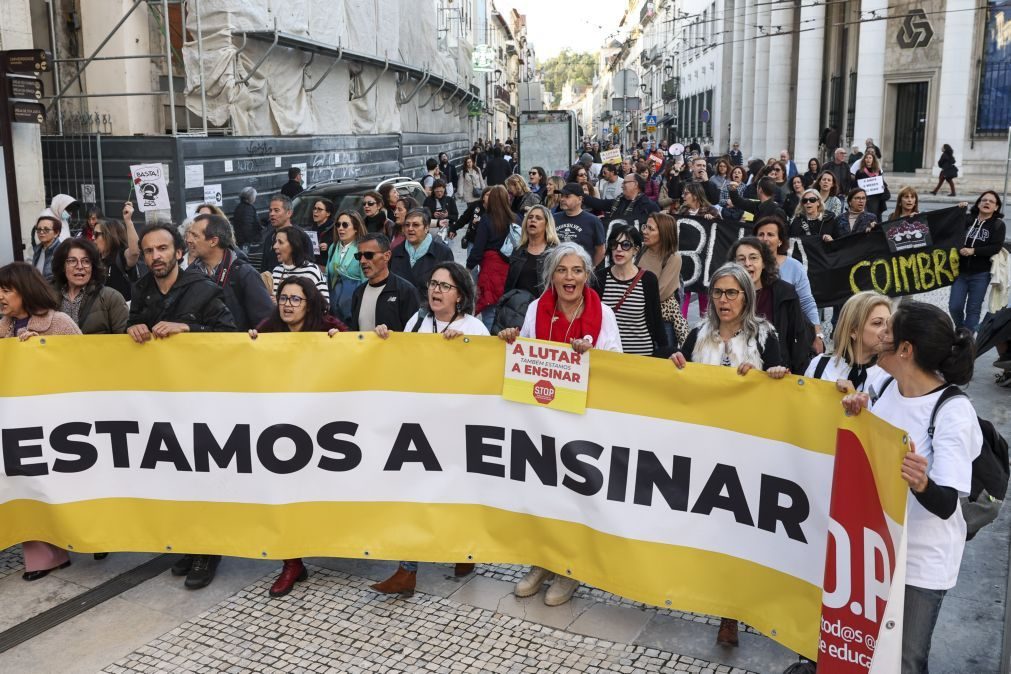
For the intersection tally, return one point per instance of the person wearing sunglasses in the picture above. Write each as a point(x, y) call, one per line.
point(323, 225)
point(300, 308)
point(386, 299)
point(47, 232)
point(343, 271)
point(376, 218)
point(811, 218)
point(420, 252)
point(633, 295)
point(538, 182)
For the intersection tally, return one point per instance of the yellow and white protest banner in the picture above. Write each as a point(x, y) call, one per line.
point(698, 489)
point(538, 372)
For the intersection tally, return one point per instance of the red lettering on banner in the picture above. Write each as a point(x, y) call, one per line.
point(517, 348)
point(859, 564)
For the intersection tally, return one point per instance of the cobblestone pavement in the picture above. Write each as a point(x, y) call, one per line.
point(11, 561)
point(334, 623)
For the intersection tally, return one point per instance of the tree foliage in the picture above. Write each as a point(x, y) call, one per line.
point(568, 66)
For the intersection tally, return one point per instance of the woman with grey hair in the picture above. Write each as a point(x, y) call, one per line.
point(247, 227)
point(733, 336)
point(567, 311)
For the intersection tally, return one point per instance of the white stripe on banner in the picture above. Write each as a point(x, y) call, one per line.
point(766, 470)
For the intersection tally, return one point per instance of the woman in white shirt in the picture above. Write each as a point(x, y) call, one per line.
point(451, 296)
point(925, 354)
point(862, 325)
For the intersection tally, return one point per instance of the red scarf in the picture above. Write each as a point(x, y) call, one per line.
point(553, 326)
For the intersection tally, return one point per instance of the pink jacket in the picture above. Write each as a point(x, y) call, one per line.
point(49, 323)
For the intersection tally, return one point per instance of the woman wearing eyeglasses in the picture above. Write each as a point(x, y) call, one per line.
point(811, 219)
point(294, 252)
point(343, 271)
point(47, 232)
point(984, 236)
point(732, 335)
point(415, 259)
point(300, 308)
point(633, 295)
point(450, 313)
point(376, 218)
point(79, 277)
point(579, 174)
point(323, 225)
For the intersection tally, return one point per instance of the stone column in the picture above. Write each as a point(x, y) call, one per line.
point(955, 98)
point(870, 73)
point(762, 44)
point(780, 68)
point(16, 33)
point(748, 79)
point(735, 9)
point(809, 82)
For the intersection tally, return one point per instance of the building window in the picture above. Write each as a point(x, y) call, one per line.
point(994, 111)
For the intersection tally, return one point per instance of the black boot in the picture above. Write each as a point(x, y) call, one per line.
point(202, 572)
point(182, 565)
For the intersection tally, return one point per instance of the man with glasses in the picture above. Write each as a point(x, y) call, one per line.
point(279, 214)
point(385, 298)
point(420, 252)
point(840, 169)
point(245, 295)
point(609, 187)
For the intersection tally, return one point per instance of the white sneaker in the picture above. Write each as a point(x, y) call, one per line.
point(531, 583)
point(560, 591)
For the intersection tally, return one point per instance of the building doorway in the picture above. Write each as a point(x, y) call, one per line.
point(910, 126)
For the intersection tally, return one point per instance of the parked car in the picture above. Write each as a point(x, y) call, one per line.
point(348, 195)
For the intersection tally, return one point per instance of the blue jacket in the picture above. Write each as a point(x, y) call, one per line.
point(862, 226)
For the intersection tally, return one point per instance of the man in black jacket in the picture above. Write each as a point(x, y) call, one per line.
point(700, 174)
point(766, 204)
point(166, 302)
point(279, 215)
point(497, 169)
point(293, 187)
point(245, 294)
point(385, 298)
point(415, 259)
point(634, 207)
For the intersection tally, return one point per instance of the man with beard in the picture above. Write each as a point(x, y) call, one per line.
point(166, 302)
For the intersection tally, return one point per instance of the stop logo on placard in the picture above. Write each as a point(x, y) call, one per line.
point(544, 392)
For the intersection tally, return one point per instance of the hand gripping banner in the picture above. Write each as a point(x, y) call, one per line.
point(698, 490)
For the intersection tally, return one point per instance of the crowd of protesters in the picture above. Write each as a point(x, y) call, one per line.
point(585, 254)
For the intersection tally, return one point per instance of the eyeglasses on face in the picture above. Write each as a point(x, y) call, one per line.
point(441, 286)
point(44, 230)
point(368, 255)
point(343, 225)
point(730, 293)
point(624, 244)
point(293, 300)
point(82, 262)
point(370, 203)
point(810, 200)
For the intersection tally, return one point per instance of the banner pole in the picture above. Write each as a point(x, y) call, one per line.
point(1007, 169)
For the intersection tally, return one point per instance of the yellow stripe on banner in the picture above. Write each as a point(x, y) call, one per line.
point(565, 400)
point(662, 575)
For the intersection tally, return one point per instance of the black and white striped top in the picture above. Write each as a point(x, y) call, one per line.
point(632, 326)
point(309, 270)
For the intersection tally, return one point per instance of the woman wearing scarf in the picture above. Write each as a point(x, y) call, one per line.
point(420, 253)
point(568, 311)
point(343, 271)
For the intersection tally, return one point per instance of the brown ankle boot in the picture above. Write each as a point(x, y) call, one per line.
point(462, 570)
point(727, 636)
point(402, 582)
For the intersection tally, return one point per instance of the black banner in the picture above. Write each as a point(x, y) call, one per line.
point(899, 257)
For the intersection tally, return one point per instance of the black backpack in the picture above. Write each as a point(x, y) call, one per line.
point(990, 469)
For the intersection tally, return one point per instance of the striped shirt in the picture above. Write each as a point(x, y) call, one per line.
point(632, 327)
point(309, 270)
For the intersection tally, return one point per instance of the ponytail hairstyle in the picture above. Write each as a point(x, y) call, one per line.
point(937, 346)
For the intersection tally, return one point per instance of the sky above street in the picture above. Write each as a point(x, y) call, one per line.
point(554, 25)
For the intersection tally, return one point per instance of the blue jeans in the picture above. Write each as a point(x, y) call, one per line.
point(919, 615)
point(966, 301)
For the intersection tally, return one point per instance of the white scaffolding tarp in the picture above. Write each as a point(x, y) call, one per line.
point(274, 102)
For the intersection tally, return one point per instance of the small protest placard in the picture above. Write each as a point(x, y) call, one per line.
point(547, 374)
point(611, 156)
point(212, 195)
point(150, 186)
point(873, 185)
